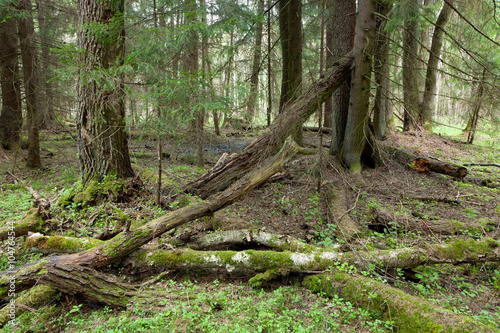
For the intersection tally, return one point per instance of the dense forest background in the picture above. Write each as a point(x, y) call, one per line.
point(337, 135)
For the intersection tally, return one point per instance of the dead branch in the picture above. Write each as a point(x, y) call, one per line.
point(424, 165)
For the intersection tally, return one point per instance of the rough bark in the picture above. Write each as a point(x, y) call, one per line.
point(410, 69)
point(340, 40)
point(409, 313)
point(102, 140)
point(355, 132)
point(382, 74)
point(127, 242)
point(290, 19)
point(424, 165)
point(427, 104)
point(11, 116)
point(270, 141)
point(28, 56)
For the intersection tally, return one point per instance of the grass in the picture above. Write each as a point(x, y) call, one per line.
point(219, 307)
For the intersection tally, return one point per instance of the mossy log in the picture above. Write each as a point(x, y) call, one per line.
point(304, 257)
point(269, 142)
point(409, 313)
point(33, 221)
point(127, 242)
point(424, 165)
point(339, 213)
point(33, 298)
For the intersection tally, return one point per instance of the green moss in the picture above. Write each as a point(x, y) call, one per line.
point(409, 313)
point(94, 192)
point(355, 169)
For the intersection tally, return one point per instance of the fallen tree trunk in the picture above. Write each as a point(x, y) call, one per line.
point(305, 257)
point(34, 298)
point(409, 313)
point(32, 221)
point(269, 142)
point(424, 165)
point(127, 242)
point(324, 130)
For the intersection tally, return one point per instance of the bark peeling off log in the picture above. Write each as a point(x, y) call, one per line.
point(424, 165)
point(409, 313)
point(246, 237)
point(127, 242)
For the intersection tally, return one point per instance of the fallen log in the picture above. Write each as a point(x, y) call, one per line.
point(32, 221)
point(409, 313)
point(306, 257)
point(34, 298)
point(42, 203)
point(324, 130)
point(339, 212)
point(424, 165)
point(127, 242)
point(269, 142)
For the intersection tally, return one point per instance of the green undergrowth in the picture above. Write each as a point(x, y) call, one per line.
point(215, 307)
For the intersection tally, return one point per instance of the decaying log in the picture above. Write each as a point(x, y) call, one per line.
point(409, 313)
point(482, 164)
point(339, 212)
point(269, 142)
point(34, 298)
point(311, 258)
point(325, 130)
point(127, 242)
point(32, 221)
point(424, 165)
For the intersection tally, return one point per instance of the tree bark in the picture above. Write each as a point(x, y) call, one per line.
point(427, 104)
point(340, 40)
point(11, 116)
point(382, 74)
point(412, 119)
point(28, 56)
point(102, 139)
point(355, 132)
point(290, 19)
point(270, 141)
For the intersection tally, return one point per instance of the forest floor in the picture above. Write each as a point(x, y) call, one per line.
point(417, 208)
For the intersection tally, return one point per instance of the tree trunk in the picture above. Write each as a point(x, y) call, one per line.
point(382, 73)
point(28, 56)
point(254, 79)
point(102, 140)
point(269, 76)
point(476, 107)
point(290, 16)
point(412, 119)
point(355, 132)
point(47, 113)
point(270, 141)
point(427, 104)
point(11, 117)
point(340, 40)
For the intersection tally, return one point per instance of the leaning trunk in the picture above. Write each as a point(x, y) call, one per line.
point(270, 141)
